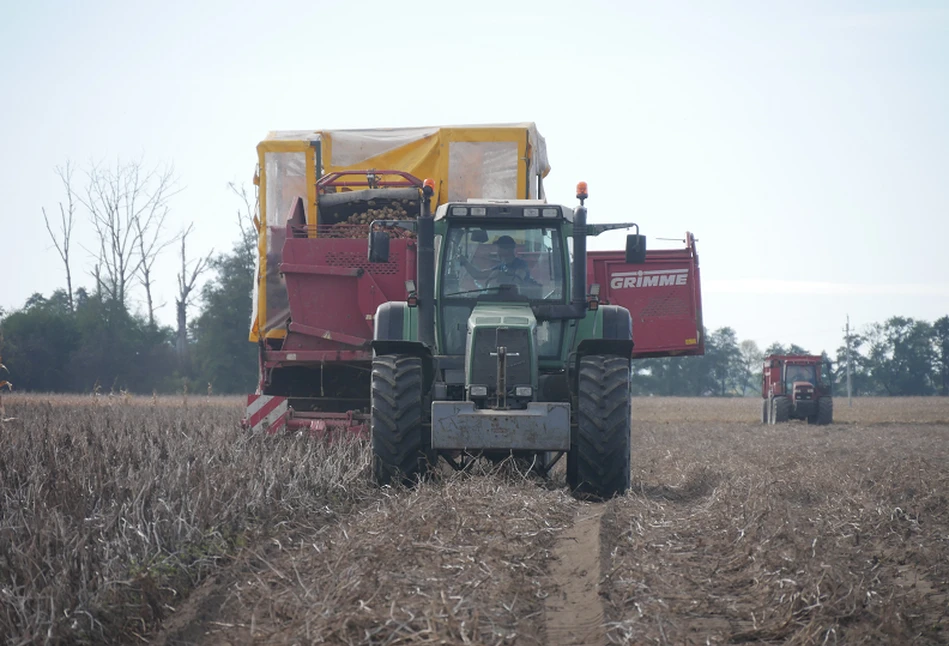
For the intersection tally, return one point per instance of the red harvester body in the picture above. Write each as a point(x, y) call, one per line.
point(663, 295)
point(317, 292)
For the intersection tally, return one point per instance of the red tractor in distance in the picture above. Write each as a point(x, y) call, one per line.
point(795, 387)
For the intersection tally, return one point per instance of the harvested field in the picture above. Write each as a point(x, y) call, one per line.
point(158, 521)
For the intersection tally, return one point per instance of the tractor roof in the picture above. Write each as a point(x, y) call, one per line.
point(795, 358)
point(526, 211)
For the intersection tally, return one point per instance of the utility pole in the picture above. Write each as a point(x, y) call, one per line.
point(849, 386)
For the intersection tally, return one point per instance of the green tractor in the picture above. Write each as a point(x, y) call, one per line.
point(499, 350)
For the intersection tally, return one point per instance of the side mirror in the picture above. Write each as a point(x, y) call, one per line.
point(378, 246)
point(635, 249)
point(479, 236)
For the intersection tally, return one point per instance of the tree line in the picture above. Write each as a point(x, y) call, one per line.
point(901, 357)
point(88, 339)
point(99, 345)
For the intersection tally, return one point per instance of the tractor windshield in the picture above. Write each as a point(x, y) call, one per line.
point(800, 373)
point(483, 261)
point(487, 262)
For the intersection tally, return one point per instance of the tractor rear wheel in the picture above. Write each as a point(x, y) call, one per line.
point(825, 410)
point(780, 409)
point(764, 411)
point(598, 463)
point(400, 453)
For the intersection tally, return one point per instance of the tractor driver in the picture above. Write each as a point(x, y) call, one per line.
point(509, 265)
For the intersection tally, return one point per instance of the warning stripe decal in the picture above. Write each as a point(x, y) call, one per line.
point(266, 413)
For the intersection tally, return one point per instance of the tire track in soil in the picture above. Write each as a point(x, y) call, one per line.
point(573, 612)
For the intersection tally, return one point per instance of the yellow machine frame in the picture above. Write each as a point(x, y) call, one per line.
point(423, 152)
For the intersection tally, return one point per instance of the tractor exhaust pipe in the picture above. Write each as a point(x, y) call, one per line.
point(426, 268)
point(578, 300)
point(577, 307)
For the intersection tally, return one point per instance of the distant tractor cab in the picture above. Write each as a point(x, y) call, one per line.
point(796, 387)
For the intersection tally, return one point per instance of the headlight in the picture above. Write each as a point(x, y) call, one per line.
point(523, 391)
point(477, 391)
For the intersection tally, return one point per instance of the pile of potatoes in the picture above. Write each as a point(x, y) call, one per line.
point(395, 210)
point(357, 224)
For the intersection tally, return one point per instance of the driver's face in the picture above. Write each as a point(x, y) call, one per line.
point(505, 254)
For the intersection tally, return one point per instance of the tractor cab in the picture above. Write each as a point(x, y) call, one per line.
point(505, 346)
point(800, 373)
point(500, 263)
point(800, 381)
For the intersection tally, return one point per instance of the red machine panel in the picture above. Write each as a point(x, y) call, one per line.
point(663, 295)
point(334, 290)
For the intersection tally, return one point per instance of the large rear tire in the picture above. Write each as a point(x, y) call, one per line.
point(598, 464)
point(781, 409)
point(825, 410)
point(400, 452)
point(764, 411)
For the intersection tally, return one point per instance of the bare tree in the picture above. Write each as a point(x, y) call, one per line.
point(65, 226)
point(150, 243)
point(127, 204)
point(751, 358)
point(186, 282)
point(248, 222)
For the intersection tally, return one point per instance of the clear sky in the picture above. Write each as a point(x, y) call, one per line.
point(805, 143)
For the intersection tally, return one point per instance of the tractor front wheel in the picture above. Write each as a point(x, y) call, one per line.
point(400, 452)
point(780, 409)
point(825, 410)
point(598, 463)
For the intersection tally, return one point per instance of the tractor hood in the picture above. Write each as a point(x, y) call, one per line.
point(501, 315)
point(493, 325)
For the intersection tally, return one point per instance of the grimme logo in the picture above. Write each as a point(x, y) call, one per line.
point(658, 278)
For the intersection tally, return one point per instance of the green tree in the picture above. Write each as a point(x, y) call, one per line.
point(718, 372)
point(724, 359)
point(38, 341)
point(751, 366)
point(941, 341)
point(778, 348)
point(51, 348)
point(862, 379)
point(670, 377)
point(222, 355)
point(118, 351)
point(902, 356)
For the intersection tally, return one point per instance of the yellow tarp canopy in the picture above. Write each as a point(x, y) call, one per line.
point(504, 161)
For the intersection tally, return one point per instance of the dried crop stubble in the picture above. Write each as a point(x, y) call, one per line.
point(461, 559)
point(783, 534)
point(733, 532)
point(114, 508)
point(865, 410)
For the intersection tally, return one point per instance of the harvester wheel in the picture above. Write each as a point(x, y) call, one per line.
point(764, 411)
point(825, 410)
point(399, 450)
point(781, 409)
point(598, 461)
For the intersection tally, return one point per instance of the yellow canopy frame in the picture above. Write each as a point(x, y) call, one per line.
point(505, 161)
